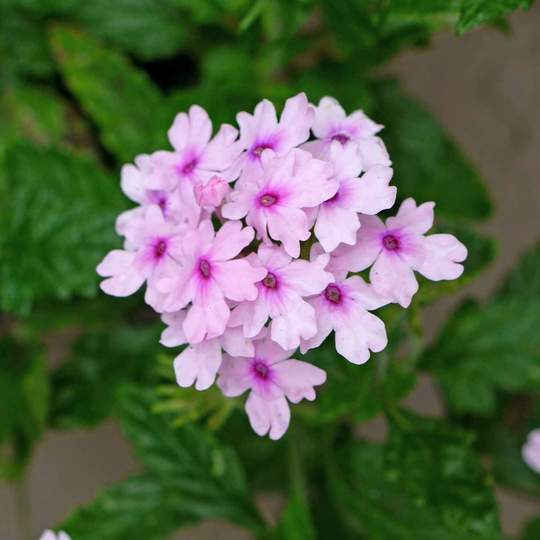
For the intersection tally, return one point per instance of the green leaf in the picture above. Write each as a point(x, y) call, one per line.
point(85, 387)
point(24, 394)
point(425, 483)
point(428, 164)
point(140, 508)
point(488, 348)
point(56, 223)
point(503, 445)
point(295, 523)
point(34, 113)
point(207, 476)
point(128, 109)
point(477, 12)
point(532, 530)
point(524, 280)
point(484, 349)
point(368, 35)
point(188, 476)
point(23, 45)
point(145, 28)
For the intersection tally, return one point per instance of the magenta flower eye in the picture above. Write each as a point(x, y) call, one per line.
point(341, 138)
point(261, 369)
point(186, 169)
point(333, 293)
point(250, 241)
point(270, 281)
point(260, 148)
point(390, 242)
point(268, 199)
point(160, 248)
point(204, 268)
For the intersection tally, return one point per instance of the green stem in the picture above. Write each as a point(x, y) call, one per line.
point(22, 509)
point(296, 472)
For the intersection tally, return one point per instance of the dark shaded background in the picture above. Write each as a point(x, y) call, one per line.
point(485, 89)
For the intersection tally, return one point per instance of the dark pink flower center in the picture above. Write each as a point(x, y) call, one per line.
point(390, 242)
point(341, 138)
point(333, 293)
point(189, 167)
point(160, 248)
point(260, 148)
point(162, 203)
point(205, 268)
point(270, 281)
point(268, 199)
point(261, 370)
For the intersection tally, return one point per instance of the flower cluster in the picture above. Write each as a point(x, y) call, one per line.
point(250, 243)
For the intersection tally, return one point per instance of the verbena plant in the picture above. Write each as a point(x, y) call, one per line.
point(87, 87)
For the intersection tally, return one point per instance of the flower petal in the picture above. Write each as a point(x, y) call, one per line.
point(443, 253)
point(268, 416)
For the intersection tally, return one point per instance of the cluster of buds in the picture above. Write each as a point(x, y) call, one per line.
point(250, 243)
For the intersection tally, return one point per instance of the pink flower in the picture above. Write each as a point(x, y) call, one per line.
point(208, 276)
point(337, 219)
point(154, 247)
point(209, 195)
point(196, 157)
point(274, 199)
point(262, 131)
point(332, 124)
point(198, 364)
point(343, 307)
point(280, 297)
point(531, 450)
point(399, 248)
point(177, 206)
point(273, 377)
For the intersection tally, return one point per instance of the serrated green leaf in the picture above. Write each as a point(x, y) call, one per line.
point(428, 164)
point(24, 394)
point(145, 28)
point(477, 12)
point(85, 387)
point(424, 483)
point(206, 475)
point(56, 224)
point(140, 508)
point(128, 109)
point(494, 347)
point(484, 349)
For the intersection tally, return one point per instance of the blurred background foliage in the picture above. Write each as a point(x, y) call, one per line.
point(86, 86)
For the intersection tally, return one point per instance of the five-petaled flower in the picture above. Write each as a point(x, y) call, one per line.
point(273, 377)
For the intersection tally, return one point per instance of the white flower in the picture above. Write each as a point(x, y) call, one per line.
point(50, 535)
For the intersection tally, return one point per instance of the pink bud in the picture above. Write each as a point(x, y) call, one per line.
point(211, 194)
